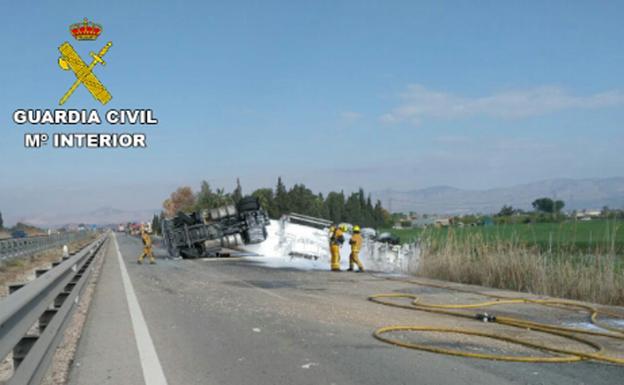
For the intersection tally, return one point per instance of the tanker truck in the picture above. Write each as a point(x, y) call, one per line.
point(204, 234)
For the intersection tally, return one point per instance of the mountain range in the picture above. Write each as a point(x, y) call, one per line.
point(577, 194)
point(100, 216)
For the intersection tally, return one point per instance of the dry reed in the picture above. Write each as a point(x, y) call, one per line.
point(510, 264)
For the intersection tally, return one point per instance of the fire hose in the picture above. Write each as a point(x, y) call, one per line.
point(566, 355)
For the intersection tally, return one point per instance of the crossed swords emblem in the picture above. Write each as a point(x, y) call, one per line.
point(70, 60)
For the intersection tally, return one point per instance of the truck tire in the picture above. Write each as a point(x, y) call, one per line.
point(231, 211)
point(231, 241)
point(248, 203)
point(222, 212)
point(183, 219)
point(213, 214)
point(193, 252)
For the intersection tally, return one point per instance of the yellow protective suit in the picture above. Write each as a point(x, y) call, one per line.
point(147, 248)
point(336, 240)
point(356, 246)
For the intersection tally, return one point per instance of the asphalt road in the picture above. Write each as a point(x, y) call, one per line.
point(239, 322)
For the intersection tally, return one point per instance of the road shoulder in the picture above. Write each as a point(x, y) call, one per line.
point(107, 352)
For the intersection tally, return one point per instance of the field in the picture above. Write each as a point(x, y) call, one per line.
point(576, 260)
point(576, 237)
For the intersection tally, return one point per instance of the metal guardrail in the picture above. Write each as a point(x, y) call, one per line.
point(17, 247)
point(50, 299)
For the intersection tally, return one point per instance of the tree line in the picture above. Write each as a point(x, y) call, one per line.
point(356, 208)
point(544, 210)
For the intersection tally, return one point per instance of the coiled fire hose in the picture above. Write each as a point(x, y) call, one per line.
point(565, 355)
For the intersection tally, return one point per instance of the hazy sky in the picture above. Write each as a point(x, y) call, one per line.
point(334, 94)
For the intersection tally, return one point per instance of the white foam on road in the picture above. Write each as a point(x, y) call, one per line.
point(585, 326)
point(152, 370)
point(288, 242)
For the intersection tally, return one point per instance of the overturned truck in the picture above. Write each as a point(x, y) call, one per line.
point(204, 234)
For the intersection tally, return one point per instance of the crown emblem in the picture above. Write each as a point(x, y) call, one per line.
point(87, 30)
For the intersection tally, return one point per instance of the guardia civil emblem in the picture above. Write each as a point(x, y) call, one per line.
point(71, 61)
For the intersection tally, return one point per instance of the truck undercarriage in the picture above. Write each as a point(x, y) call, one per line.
point(204, 234)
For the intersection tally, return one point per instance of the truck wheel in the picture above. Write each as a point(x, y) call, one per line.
point(213, 214)
point(248, 204)
point(230, 241)
point(182, 219)
point(230, 210)
point(222, 212)
point(193, 252)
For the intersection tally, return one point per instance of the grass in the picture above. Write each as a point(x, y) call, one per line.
point(597, 236)
point(576, 260)
point(12, 263)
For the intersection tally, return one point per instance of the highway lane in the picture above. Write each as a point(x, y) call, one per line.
point(238, 322)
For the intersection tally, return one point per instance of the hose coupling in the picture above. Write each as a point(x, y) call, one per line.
point(485, 317)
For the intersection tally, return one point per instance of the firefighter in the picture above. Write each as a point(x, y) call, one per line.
point(332, 229)
point(336, 240)
point(356, 246)
point(147, 248)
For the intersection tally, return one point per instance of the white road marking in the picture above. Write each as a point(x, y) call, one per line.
point(152, 370)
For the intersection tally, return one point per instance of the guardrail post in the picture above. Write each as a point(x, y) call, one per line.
point(69, 287)
point(40, 272)
point(84, 268)
point(60, 298)
point(45, 318)
point(22, 348)
point(15, 287)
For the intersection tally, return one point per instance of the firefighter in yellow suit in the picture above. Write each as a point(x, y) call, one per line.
point(356, 246)
point(147, 248)
point(335, 241)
